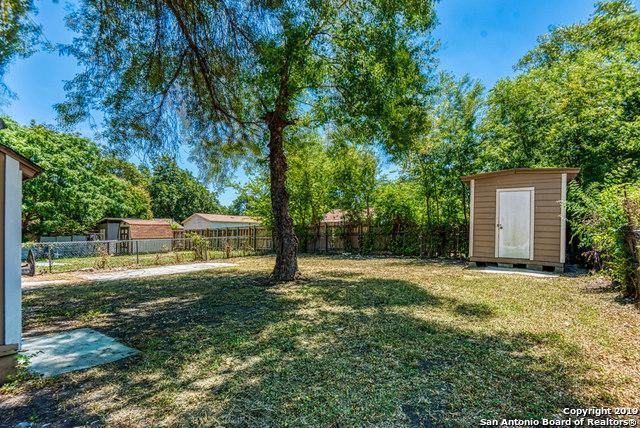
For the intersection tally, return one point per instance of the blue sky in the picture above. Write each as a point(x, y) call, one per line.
point(481, 37)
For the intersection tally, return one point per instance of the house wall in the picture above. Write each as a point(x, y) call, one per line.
point(196, 222)
point(12, 249)
point(547, 215)
point(200, 223)
point(2, 270)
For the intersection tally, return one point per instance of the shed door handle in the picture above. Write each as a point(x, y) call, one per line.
point(499, 226)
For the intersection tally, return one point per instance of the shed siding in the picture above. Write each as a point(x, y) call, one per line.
point(2, 248)
point(152, 231)
point(547, 218)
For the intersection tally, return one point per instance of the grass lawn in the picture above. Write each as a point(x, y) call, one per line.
point(390, 342)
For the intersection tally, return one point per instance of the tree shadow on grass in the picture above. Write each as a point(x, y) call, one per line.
point(216, 350)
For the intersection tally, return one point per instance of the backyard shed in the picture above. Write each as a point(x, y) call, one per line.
point(518, 216)
point(14, 168)
point(124, 229)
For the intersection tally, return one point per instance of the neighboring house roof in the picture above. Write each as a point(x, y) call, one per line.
point(139, 222)
point(340, 216)
point(29, 169)
point(334, 216)
point(223, 218)
point(571, 172)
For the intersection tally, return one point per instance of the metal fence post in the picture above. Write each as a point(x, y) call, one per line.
point(50, 261)
point(137, 254)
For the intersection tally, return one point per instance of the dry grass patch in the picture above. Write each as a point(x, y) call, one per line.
point(390, 342)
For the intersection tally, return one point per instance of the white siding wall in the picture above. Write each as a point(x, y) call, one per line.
point(196, 222)
point(200, 223)
point(221, 225)
point(12, 240)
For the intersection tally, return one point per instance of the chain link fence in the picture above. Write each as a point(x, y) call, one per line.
point(56, 257)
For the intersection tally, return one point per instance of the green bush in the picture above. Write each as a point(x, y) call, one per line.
point(597, 219)
point(200, 246)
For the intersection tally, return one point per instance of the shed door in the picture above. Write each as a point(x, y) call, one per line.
point(514, 229)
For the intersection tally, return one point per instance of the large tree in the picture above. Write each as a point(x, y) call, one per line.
point(232, 78)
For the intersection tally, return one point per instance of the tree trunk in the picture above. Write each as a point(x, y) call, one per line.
point(285, 240)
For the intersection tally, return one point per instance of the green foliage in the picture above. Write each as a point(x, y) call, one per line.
point(200, 246)
point(127, 171)
point(353, 174)
point(18, 33)
point(397, 205)
point(308, 179)
point(577, 101)
point(450, 150)
point(176, 193)
point(322, 176)
point(577, 104)
point(255, 200)
point(398, 209)
point(597, 221)
point(76, 188)
point(212, 76)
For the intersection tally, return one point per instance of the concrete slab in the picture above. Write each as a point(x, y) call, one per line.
point(32, 284)
point(26, 285)
point(512, 271)
point(154, 271)
point(57, 353)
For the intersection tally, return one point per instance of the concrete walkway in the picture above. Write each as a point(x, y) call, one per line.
point(154, 271)
point(126, 274)
point(509, 271)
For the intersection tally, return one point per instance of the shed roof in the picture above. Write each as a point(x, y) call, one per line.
point(224, 218)
point(141, 222)
point(138, 221)
point(29, 169)
point(571, 173)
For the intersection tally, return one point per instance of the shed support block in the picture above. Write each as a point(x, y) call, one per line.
point(8, 364)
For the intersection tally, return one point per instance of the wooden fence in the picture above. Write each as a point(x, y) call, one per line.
point(438, 241)
point(451, 241)
point(252, 237)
